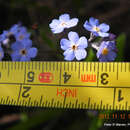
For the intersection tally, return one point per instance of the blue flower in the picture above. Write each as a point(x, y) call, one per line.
point(96, 28)
point(64, 21)
point(1, 53)
point(22, 34)
point(17, 31)
point(3, 36)
point(23, 50)
point(107, 51)
point(74, 47)
point(14, 29)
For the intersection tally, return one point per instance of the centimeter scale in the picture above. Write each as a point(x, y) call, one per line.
point(82, 85)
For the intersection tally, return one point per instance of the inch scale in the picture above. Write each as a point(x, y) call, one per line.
point(78, 85)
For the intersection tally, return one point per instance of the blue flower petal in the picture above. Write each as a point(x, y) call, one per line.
point(102, 46)
point(73, 37)
point(65, 44)
point(54, 24)
point(15, 56)
point(64, 17)
point(25, 58)
point(57, 30)
point(14, 28)
point(1, 53)
point(67, 51)
point(103, 34)
point(2, 37)
point(82, 43)
point(73, 22)
point(27, 43)
point(32, 52)
point(16, 46)
point(80, 54)
point(87, 26)
point(22, 35)
point(69, 55)
point(57, 26)
point(103, 58)
point(95, 33)
point(104, 27)
point(111, 55)
point(93, 21)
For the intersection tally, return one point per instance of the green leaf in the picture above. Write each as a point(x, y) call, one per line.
point(94, 125)
point(121, 41)
point(91, 55)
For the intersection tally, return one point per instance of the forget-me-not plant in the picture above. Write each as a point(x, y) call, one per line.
point(107, 51)
point(96, 28)
point(64, 21)
point(17, 43)
point(23, 50)
point(75, 47)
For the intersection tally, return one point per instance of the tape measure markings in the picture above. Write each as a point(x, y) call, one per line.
point(65, 85)
point(19, 93)
point(8, 70)
point(117, 72)
point(114, 97)
point(98, 74)
point(25, 75)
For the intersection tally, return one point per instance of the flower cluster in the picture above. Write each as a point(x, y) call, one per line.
point(75, 46)
point(16, 42)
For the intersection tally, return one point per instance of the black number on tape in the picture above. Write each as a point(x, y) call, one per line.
point(104, 77)
point(30, 76)
point(120, 98)
point(66, 77)
point(25, 94)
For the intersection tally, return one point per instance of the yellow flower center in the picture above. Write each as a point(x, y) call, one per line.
point(63, 24)
point(23, 52)
point(96, 29)
point(105, 51)
point(21, 37)
point(74, 47)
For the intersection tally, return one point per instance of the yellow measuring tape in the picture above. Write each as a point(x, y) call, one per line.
point(83, 85)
